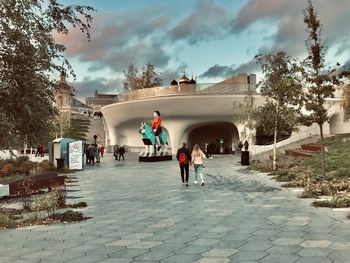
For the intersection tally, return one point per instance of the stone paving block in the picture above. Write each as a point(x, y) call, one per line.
point(181, 258)
point(145, 244)
point(154, 256)
point(213, 260)
point(219, 253)
point(319, 252)
point(192, 250)
point(180, 240)
point(221, 229)
point(123, 242)
point(319, 236)
point(316, 243)
point(256, 245)
point(116, 260)
point(291, 234)
point(316, 260)
point(287, 241)
point(284, 249)
point(84, 248)
point(129, 253)
point(104, 250)
point(137, 236)
point(88, 259)
point(216, 235)
point(237, 236)
point(340, 245)
point(280, 258)
point(248, 256)
point(266, 232)
point(204, 242)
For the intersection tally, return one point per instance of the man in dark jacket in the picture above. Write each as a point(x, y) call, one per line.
point(121, 152)
point(183, 156)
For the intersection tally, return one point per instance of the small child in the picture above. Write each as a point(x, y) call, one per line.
point(197, 161)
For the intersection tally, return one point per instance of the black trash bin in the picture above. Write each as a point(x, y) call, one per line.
point(60, 164)
point(245, 158)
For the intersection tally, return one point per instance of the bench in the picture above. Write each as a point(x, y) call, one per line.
point(38, 182)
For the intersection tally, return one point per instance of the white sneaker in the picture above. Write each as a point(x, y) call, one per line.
point(195, 182)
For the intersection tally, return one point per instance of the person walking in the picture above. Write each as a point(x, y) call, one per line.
point(102, 150)
point(183, 156)
point(87, 154)
point(116, 152)
point(197, 161)
point(38, 153)
point(121, 152)
point(91, 151)
point(97, 154)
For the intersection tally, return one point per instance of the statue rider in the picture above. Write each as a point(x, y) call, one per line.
point(156, 127)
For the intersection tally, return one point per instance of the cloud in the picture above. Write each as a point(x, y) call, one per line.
point(207, 21)
point(87, 87)
point(288, 16)
point(229, 71)
point(120, 38)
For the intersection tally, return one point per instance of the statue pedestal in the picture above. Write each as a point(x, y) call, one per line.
point(155, 158)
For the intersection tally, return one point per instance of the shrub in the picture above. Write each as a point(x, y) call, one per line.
point(48, 202)
point(68, 216)
point(27, 167)
point(338, 201)
point(25, 189)
point(78, 205)
point(7, 169)
point(44, 165)
point(6, 221)
point(20, 160)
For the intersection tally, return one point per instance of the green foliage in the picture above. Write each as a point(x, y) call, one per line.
point(6, 221)
point(337, 201)
point(282, 90)
point(68, 216)
point(48, 202)
point(29, 57)
point(78, 129)
point(319, 80)
point(148, 79)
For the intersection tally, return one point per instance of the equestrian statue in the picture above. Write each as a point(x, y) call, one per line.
point(154, 138)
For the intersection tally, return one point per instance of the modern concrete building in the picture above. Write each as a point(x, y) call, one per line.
point(198, 113)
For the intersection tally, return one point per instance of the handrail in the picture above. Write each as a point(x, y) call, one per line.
point(189, 89)
point(258, 149)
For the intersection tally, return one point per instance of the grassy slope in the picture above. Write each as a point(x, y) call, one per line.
point(78, 129)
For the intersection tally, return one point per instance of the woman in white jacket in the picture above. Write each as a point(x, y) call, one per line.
point(197, 160)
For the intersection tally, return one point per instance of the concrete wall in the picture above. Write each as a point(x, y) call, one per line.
point(183, 115)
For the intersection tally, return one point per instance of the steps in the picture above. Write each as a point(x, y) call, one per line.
point(96, 127)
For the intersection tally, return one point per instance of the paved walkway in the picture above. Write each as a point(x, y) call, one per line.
point(142, 213)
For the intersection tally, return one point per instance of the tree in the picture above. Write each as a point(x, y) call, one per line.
point(29, 59)
point(148, 79)
point(319, 80)
point(281, 89)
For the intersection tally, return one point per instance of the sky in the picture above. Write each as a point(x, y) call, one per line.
point(208, 39)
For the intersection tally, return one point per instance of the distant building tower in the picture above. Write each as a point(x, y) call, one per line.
point(63, 95)
point(184, 80)
point(173, 83)
point(192, 81)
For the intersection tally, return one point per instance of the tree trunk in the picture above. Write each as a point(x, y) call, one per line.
point(274, 165)
point(323, 161)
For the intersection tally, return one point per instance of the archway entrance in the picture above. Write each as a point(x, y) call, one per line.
point(215, 134)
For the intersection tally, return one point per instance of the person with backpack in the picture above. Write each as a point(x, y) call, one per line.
point(197, 161)
point(183, 156)
point(121, 152)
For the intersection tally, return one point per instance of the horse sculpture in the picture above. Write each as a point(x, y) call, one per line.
point(149, 140)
